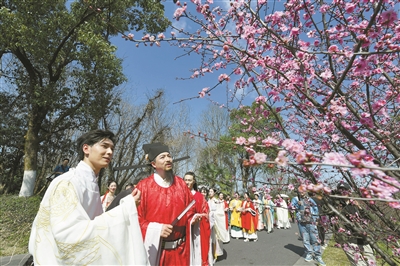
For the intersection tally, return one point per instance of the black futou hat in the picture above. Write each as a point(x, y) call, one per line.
point(344, 185)
point(154, 149)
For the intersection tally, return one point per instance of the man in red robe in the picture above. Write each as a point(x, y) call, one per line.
point(202, 230)
point(164, 197)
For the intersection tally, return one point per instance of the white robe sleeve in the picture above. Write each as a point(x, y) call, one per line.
point(152, 243)
point(64, 234)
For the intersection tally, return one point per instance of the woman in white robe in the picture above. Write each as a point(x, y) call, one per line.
point(219, 234)
point(260, 209)
point(282, 214)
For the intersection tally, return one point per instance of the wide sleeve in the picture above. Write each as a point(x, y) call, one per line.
point(118, 198)
point(64, 234)
point(150, 230)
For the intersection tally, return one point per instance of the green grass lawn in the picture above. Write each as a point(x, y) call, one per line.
point(334, 256)
point(16, 218)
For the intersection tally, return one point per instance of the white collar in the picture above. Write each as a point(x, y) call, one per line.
point(88, 171)
point(161, 181)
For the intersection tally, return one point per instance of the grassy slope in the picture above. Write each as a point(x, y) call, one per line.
point(16, 218)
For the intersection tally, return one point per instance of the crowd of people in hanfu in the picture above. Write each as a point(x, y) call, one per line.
point(164, 219)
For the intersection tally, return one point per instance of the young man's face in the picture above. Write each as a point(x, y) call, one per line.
point(99, 155)
point(189, 180)
point(65, 162)
point(163, 162)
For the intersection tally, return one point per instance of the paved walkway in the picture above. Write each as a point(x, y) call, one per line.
point(281, 248)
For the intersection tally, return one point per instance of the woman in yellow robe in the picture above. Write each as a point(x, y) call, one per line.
point(235, 207)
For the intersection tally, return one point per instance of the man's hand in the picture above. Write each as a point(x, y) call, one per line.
point(166, 230)
point(196, 218)
point(136, 196)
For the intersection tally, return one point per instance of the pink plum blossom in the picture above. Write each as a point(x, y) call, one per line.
point(388, 17)
point(223, 77)
point(238, 71)
point(252, 140)
point(335, 138)
point(261, 99)
point(269, 141)
point(203, 92)
point(282, 160)
point(250, 151)
point(335, 158)
point(260, 158)
point(292, 146)
point(240, 140)
point(333, 49)
point(326, 75)
point(179, 12)
point(324, 8)
point(350, 7)
point(295, 31)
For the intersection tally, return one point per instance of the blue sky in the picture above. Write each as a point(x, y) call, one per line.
point(151, 68)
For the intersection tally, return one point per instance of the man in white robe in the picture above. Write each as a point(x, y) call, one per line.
point(71, 228)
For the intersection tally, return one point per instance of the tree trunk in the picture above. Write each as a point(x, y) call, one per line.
point(30, 159)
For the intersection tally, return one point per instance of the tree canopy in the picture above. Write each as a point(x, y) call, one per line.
point(60, 70)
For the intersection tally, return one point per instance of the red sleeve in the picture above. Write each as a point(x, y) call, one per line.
point(205, 231)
